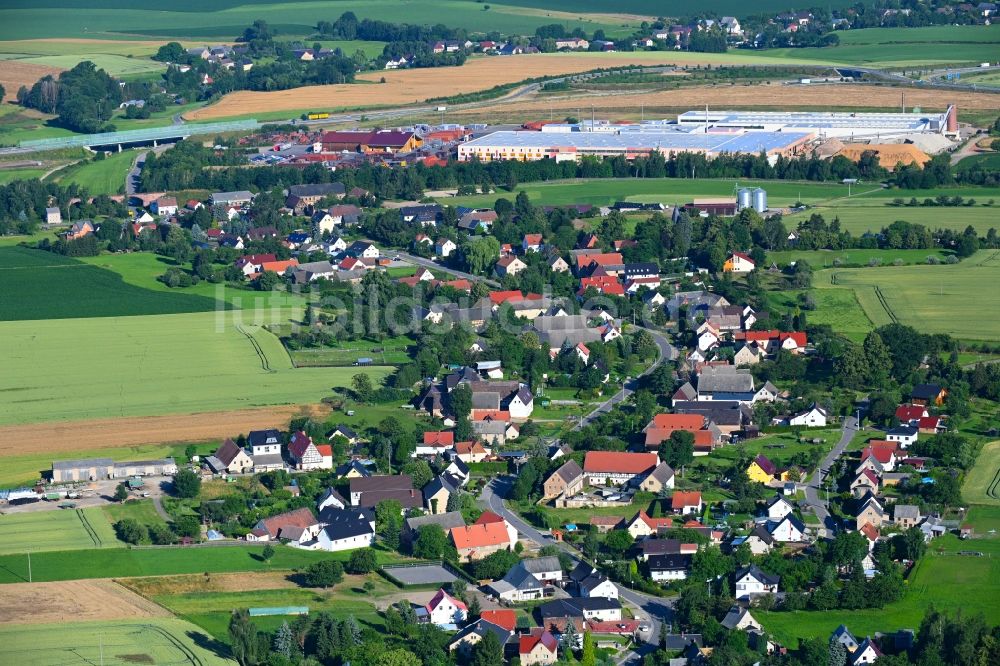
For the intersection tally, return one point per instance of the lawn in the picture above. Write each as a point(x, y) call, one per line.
point(167, 364)
point(871, 214)
point(951, 582)
point(142, 511)
point(159, 561)
point(982, 482)
point(932, 298)
point(101, 176)
point(668, 191)
point(10, 175)
point(848, 258)
point(17, 124)
point(987, 161)
point(780, 448)
point(147, 641)
point(59, 529)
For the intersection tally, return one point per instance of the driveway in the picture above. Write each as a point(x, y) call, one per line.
point(815, 483)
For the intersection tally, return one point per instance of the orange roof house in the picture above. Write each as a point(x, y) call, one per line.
point(617, 467)
point(686, 501)
point(504, 618)
point(476, 541)
point(439, 438)
point(278, 267)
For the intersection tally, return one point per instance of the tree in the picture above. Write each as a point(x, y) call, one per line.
point(495, 565)
point(878, 359)
point(324, 573)
point(361, 383)
point(389, 522)
point(369, 586)
point(131, 531)
point(187, 484)
point(431, 543)
point(588, 656)
point(284, 641)
point(121, 493)
point(362, 561)
point(487, 652)
point(618, 541)
point(267, 553)
point(475, 608)
point(678, 449)
point(243, 638)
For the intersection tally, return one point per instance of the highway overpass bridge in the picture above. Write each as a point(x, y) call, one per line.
point(152, 136)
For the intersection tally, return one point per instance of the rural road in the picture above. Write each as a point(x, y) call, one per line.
point(433, 265)
point(657, 610)
point(814, 485)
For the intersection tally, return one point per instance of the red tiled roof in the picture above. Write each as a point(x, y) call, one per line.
point(870, 531)
point(299, 444)
point(602, 259)
point(528, 642)
point(690, 422)
point(533, 239)
point(301, 518)
point(682, 498)
point(656, 436)
point(325, 450)
point(798, 337)
point(498, 297)
point(490, 414)
point(623, 627)
point(385, 139)
point(928, 422)
point(620, 463)
point(487, 517)
point(744, 257)
point(504, 618)
point(439, 438)
point(278, 266)
point(882, 450)
point(654, 523)
point(910, 412)
point(469, 447)
point(480, 535)
point(765, 464)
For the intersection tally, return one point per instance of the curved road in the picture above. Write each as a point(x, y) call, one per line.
point(815, 483)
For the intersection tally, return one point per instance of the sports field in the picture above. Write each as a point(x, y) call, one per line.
point(982, 482)
point(120, 642)
point(62, 529)
point(165, 364)
point(934, 299)
point(105, 176)
point(950, 581)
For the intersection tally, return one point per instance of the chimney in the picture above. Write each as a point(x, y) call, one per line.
point(952, 122)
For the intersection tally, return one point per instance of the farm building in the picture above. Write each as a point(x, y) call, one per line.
point(161, 467)
point(90, 469)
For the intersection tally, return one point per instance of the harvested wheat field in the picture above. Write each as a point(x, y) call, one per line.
point(14, 74)
point(409, 86)
point(740, 97)
point(235, 582)
point(69, 436)
point(73, 601)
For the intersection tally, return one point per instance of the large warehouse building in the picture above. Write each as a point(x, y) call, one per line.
point(629, 141)
point(822, 124)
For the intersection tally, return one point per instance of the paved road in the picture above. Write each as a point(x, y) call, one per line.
point(653, 610)
point(434, 266)
point(132, 177)
point(814, 485)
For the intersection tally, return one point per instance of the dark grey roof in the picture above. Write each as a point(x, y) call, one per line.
point(541, 564)
point(669, 562)
point(482, 627)
point(903, 430)
point(733, 617)
point(569, 471)
point(435, 486)
point(447, 521)
point(521, 579)
point(721, 412)
point(576, 606)
point(346, 523)
point(652, 547)
point(342, 429)
point(486, 400)
point(316, 189)
point(82, 464)
point(330, 492)
point(675, 642)
point(581, 571)
point(758, 573)
point(925, 391)
point(724, 380)
point(397, 482)
point(261, 437)
point(663, 473)
point(761, 532)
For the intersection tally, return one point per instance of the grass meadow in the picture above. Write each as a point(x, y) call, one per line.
point(982, 482)
point(105, 176)
point(869, 214)
point(934, 299)
point(160, 561)
point(856, 257)
point(953, 583)
point(63, 529)
point(118, 642)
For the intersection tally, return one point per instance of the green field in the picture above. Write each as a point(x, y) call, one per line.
point(164, 561)
point(226, 19)
point(668, 191)
point(58, 529)
point(987, 161)
point(869, 214)
point(23, 470)
point(121, 642)
point(951, 582)
point(905, 47)
point(934, 299)
point(166, 364)
point(115, 65)
point(105, 176)
point(824, 258)
point(140, 510)
point(10, 175)
point(982, 482)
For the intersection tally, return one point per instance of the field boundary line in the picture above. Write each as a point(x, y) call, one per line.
point(176, 642)
point(265, 366)
point(885, 304)
point(89, 529)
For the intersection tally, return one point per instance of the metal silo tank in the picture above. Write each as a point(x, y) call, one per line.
point(744, 198)
point(760, 200)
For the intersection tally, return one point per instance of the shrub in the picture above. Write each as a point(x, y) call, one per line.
point(131, 531)
point(933, 260)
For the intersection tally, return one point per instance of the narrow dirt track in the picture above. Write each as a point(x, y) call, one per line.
point(69, 436)
point(72, 601)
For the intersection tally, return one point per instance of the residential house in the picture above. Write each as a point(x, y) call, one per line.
point(866, 653)
point(297, 527)
point(787, 530)
point(237, 199)
point(80, 229)
point(487, 535)
point(471, 452)
point(230, 458)
point(164, 206)
point(53, 215)
point(557, 614)
point(761, 469)
point(659, 480)
point(443, 610)
point(843, 636)
point(444, 247)
point(509, 266)
point(591, 583)
point(265, 449)
point(867, 481)
point(903, 435)
point(557, 264)
point(928, 394)
point(911, 413)
point(346, 529)
point(749, 354)
point(668, 568)
point(814, 417)
point(363, 250)
point(437, 493)
point(304, 454)
point(361, 485)
point(739, 619)
point(642, 526)
point(650, 547)
point(612, 467)
point(883, 451)
point(435, 443)
point(870, 512)
point(752, 582)
point(566, 481)
point(466, 639)
point(446, 521)
point(532, 243)
point(738, 263)
point(906, 516)
point(538, 646)
point(759, 541)
point(686, 502)
point(331, 499)
point(353, 470)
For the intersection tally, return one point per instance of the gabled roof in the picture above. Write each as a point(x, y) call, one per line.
point(439, 438)
point(765, 464)
point(346, 523)
point(690, 422)
point(669, 562)
point(504, 618)
point(298, 519)
point(227, 452)
point(480, 535)
point(870, 531)
point(528, 642)
point(663, 473)
point(616, 462)
point(569, 471)
point(397, 482)
point(299, 444)
point(682, 499)
point(442, 596)
point(446, 521)
point(926, 391)
point(757, 573)
point(910, 412)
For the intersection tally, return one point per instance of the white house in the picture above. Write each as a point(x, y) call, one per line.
point(903, 434)
point(866, 653)
point(304, 453)
point(752, 582)
point(265, 449)
point(331, 499)
point(165, 206)
point(778, 507)
point(444, 247)
point(521, 404)
point(669, 567)
point(739, 263)
point(346, 529)
point(814, 417)
point(443, 610)
point(788, 530)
